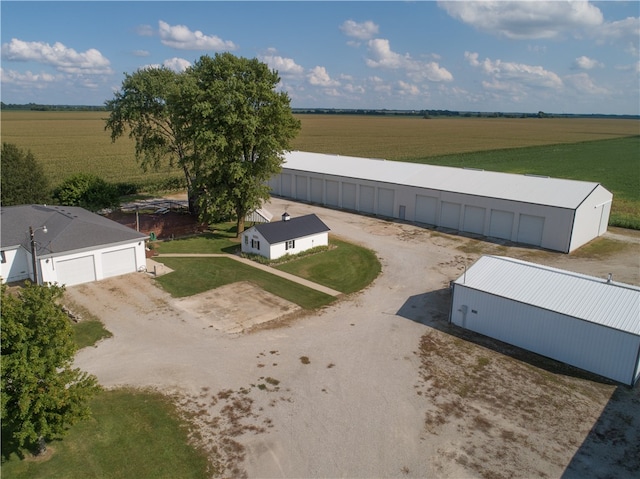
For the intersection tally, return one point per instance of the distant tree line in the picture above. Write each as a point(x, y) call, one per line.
point(39, 107)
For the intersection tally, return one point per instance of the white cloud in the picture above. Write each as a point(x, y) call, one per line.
point(36, 80)
point(180, 37)
point(519, 73)
point(405, 88)
point(625, 32)
point(59, 56)
point(361, 31)
point(381, 56)
point(140, 53)
point(586, 63)
point(584, 84)
point(284, 66)
point(176, 64)
point(318, 76)
point(145, 30)
point(526, 19)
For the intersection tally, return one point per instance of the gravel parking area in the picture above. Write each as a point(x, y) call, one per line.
point(375, 385)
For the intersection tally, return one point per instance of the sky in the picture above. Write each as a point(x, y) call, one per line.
point(509, 56)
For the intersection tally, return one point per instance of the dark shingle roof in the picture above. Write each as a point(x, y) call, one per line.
point(293, 228)
point(69, 228)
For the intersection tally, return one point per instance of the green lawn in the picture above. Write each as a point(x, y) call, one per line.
point(88, 332)
point(131, 435)
point(345, 267)
point(196, 275)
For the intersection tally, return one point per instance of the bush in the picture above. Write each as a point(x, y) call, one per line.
point(87, 191)
point(23, 179)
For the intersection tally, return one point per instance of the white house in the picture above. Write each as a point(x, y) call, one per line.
point(289, 236)
point(71, 245)
point(587, 322)
point(551, 213)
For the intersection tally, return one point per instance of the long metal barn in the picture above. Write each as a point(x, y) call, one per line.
point(588, 322)
point(551, 213)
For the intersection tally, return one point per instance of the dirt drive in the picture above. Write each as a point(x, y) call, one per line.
point(377, 384)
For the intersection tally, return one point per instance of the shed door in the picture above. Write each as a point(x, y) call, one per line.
point(316, 190)
point(473, 219)
point(349, 196)
point(450, 215)
point(115, 263)
point(501, 224)
point(426, 209)
point(285, 185)
point(385, 202)
point(76, 271)
point(301, 187)
point(530, 229)
point(367, 198)
point(333, 193)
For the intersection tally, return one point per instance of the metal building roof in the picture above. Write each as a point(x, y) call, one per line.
point(523, 188)
point(609, 303)
point(69, 228)
point(292, 228)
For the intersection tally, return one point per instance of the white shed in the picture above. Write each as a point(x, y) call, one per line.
point(587, 322)
point(72, 245)
point(552, 213)
point(289, 236)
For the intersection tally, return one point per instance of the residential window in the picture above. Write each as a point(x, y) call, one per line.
point(290, 244)
point(246, 240)
point(255, 244)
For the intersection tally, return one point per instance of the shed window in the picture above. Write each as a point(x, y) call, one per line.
point(255, 244)
point(3, 258)
point(246, 240)
point(290, 244)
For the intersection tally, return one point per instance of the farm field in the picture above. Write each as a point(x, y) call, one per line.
point(601, 150)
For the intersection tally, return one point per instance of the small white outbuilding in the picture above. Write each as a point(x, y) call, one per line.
point(551, 213)
point(587, 322)
point(289, 236)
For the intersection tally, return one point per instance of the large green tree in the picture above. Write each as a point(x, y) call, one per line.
point(42, 394)
point(222, 121)
point(88, 191)
point(22, 178)
point(242, 126)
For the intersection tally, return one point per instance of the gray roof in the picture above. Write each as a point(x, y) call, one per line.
point(609, 303)
point(523, 188)
point(69, 228)
point(293, 228)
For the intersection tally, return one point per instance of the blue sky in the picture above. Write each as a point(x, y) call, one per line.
point(521, 56)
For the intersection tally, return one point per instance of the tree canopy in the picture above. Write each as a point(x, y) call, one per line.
point(88, 191)
point(23, 180)
point(221, 120)
point(42, 395)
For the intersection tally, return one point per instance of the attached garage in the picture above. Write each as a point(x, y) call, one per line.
point(587, 322)
point(551, 213)
point(76, 246)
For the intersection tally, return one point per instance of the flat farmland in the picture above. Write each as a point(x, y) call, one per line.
point(600, 150)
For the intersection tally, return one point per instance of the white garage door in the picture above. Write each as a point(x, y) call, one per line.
point(285, 185)
point(301, 187)
point(349, 196)
point(367, 195)
point(426, 209)
point(385, 202)
point(530, 229)
point(501, 224)
point(450, 215)
point(119, 262)
point(473, 219)
point(333, 193)
point(76, 271)
point(316, 190)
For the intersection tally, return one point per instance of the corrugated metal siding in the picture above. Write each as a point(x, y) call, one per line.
point(592, 299)
point(529, 189)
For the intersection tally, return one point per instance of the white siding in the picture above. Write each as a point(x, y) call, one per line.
point(300, 244)
point(591, 217)
point(16, 265)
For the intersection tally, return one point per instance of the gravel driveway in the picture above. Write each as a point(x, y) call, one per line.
point(343, 392)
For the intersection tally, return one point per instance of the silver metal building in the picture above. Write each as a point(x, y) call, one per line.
point(552, 213)
point(587, 322)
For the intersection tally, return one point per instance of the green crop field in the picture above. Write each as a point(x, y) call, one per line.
point(604, 150)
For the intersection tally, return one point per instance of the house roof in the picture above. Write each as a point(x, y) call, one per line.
point(69, 228)
point(608, 303)
point(523, 188)
point(294, 228)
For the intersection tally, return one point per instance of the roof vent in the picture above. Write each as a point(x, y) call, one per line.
point(285, 216)
point(610, 278)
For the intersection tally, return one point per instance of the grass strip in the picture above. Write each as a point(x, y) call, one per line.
point(131, 434)
point(197, 275)
point(346, 267)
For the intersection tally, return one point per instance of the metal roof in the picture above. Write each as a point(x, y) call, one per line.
point(292, 228)
point(69, 228)
point(523, 188)
point(608, 303)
